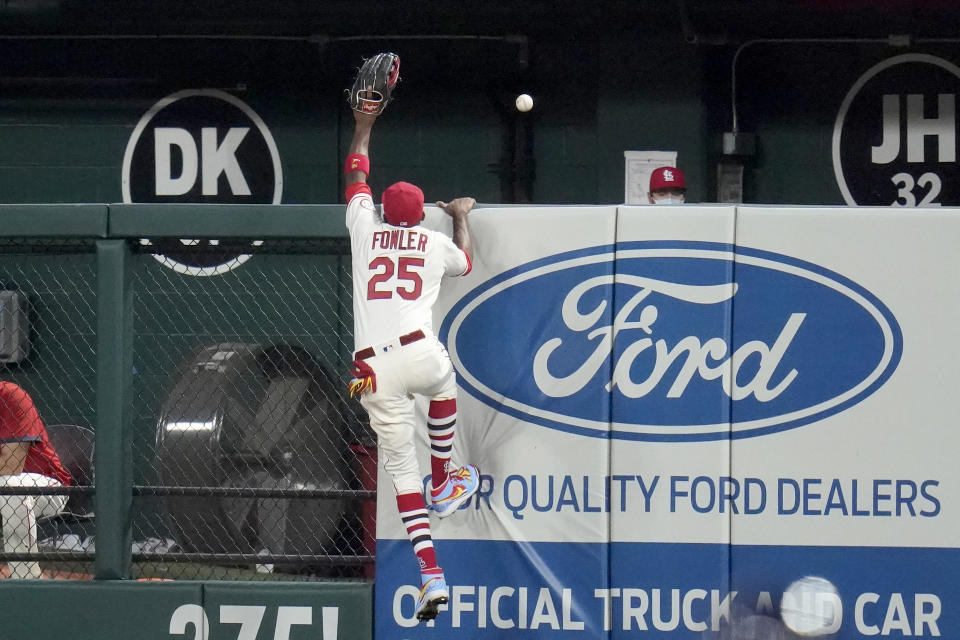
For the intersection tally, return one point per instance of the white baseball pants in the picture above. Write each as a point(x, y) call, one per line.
point(422, 367)
point(20, 513)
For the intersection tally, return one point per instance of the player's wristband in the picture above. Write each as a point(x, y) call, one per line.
point(357, 162)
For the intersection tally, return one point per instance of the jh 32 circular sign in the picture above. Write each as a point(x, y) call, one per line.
point(895, 137)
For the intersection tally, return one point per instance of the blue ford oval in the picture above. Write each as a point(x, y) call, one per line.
point(671, 341)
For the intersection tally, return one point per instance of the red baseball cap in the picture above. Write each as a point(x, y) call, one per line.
point(403, 204)
point(667, 178)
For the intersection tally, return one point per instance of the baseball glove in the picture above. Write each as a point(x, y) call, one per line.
point(364, 379)
point(373, 87)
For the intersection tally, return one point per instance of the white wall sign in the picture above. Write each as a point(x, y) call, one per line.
point(638, 165)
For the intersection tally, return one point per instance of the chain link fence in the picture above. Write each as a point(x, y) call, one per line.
point(250, 462)
point(48, 349)
point(248, 455)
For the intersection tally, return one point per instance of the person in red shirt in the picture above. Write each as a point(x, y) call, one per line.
point(27, 459)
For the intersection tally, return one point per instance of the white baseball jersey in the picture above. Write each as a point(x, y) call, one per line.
point(396, 272)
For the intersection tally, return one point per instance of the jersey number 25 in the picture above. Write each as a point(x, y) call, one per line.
point(385, 268)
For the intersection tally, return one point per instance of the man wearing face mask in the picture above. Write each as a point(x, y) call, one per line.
point(667, 186)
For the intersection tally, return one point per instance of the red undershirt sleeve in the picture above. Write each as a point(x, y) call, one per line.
point(355, 188)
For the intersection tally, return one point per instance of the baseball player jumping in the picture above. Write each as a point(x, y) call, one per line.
point(397, 269)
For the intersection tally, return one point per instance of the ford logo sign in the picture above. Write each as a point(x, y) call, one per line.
point(671, 341)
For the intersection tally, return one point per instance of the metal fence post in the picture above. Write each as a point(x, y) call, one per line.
point(114, 478)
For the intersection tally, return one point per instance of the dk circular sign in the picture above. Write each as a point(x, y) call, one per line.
point(201, 146)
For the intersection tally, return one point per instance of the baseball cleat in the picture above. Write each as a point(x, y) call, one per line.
point(433, 593)
point(461, 484)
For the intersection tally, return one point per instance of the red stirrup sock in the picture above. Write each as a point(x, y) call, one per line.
point(441, 420)
point(413, 513)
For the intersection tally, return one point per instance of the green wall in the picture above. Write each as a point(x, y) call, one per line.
point(124, 610)
point(68, 109)
point(452, 127)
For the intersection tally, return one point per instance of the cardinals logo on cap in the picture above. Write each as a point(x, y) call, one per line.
point(667, 178)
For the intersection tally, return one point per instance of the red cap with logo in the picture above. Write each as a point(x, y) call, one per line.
point(667, 178)
point(403, 204)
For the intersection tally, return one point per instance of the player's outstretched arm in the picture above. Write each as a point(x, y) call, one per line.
point(358, 164)
point(458, 210)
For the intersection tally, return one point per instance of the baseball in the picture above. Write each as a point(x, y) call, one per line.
point(524, 102)
point(811, 607)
